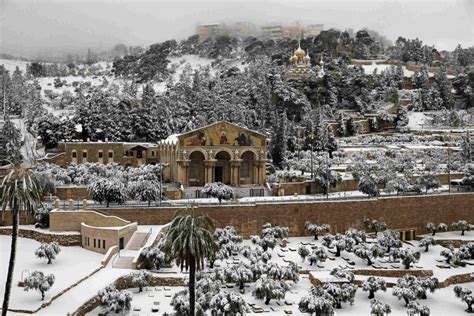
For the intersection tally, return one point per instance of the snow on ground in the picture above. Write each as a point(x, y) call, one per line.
point(451, 235)
point(44, 231)
point(369, 69)
point(11, 64)
point(416, 120)
point(72, 264)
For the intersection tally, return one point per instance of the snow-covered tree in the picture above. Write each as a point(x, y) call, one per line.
point(368, 186)
point(39, 282)
point(140, 279)
point(455, 256)
point(115, 300)
point(303, 251)
point(270, 236)
point(466, 296)
point(408, 257)
point(108, 191)
point(428, 181)
point(373, 284)
point(239, 273)
point(389, 239)
point(468, 249)
point(426, 242)
point(342, 293)
point(374, 225)
point(318, 302)
point(317, 229)
point(378, 308)
point(275, 271)
point(317, 255)
point(228, 241)
point(268, 289)
point(156, 257)
point(219, 191)
point(468, 178)
point(48, 251)
point(369, 253)
point(224, 303)
point(409, 288)
point(461, 225)
point(258, 268)
point(358, 236)
point(432, 228)
point(415, 308)
point(145, 190)
point(291, 272)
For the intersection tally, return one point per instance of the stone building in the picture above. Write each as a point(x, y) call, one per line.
point(219, 152)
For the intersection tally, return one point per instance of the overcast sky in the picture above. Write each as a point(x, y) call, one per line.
point(28, 27)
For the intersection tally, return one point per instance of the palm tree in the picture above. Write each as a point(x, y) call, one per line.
point(19, 191)
point(188, 239)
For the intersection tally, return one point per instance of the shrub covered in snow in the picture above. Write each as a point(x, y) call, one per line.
point(426, 242)
point(145, 190)
point(303, 251)
point(341, 293)
point(48, 251)
point(317, 255)
point(359, 236)
point(415, 308)
point(317, 229)
point(219, 191)
point(224, 303)
point(318, 302)
point(410, 288)
point(155, 257)
point(239, 273)
point(291, 272)
point(39, 282)
point(468, 250)
point(345, 275)
point(462, 225)
point(268, 289)
point(455, 256)
point(433, 229)
point(374, 225)
point(369, 253)
point(408, 257)
point(389, 239)
point(378, 308)
point(373, 284)
point(428, 181)
point(466, 296)
point(140, 279)
point(115, 300)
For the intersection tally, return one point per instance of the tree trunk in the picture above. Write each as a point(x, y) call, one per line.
point(369, 262)
point(42, 295)
point(108, 203)
point(469, 308)
point(267, 300)
point(192, 281)
point(371, 294)
point(462, 232)
point(49, 260)
point(315, 236)
point(11, 263)
point(241, 285)
point(434, 232)
point(426, 249)
point(338, 252)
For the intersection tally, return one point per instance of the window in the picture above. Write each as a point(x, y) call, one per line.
point(74, 154)
point(84, 154)
point(126, 153)
point(111, 154)
point(139, 154)
point(153, 153)
point(103, 243)
point(94, 243)
point(101, 154)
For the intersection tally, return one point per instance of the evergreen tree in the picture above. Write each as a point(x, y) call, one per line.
point(279, 140)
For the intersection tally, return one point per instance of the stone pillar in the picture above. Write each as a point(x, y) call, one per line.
point(261, 172)
point(56, 203)
point(71, 204)
point(183, 172)
point(235, 172)
point(209, 166)
point(84, 204)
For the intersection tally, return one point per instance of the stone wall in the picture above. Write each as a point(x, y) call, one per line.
point(61, 220)
point(62, 239)
point(398, 212)
point(72, 192)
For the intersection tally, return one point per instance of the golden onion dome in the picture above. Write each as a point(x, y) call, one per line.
point(299, 53)
point(293, 59)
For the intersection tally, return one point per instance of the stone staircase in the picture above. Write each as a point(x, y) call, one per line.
point(137, 240)
point(124, 259)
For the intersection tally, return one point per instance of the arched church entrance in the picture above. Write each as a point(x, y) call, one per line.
point(196, 169)
point(222, 169)
point(247, 174)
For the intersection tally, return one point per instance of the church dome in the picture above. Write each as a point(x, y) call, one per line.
point(299, 53)
point(293, 59)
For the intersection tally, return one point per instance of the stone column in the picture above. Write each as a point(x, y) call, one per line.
point(209, 166)
point(234, 172)
point(261, 172)
point(183, 172)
